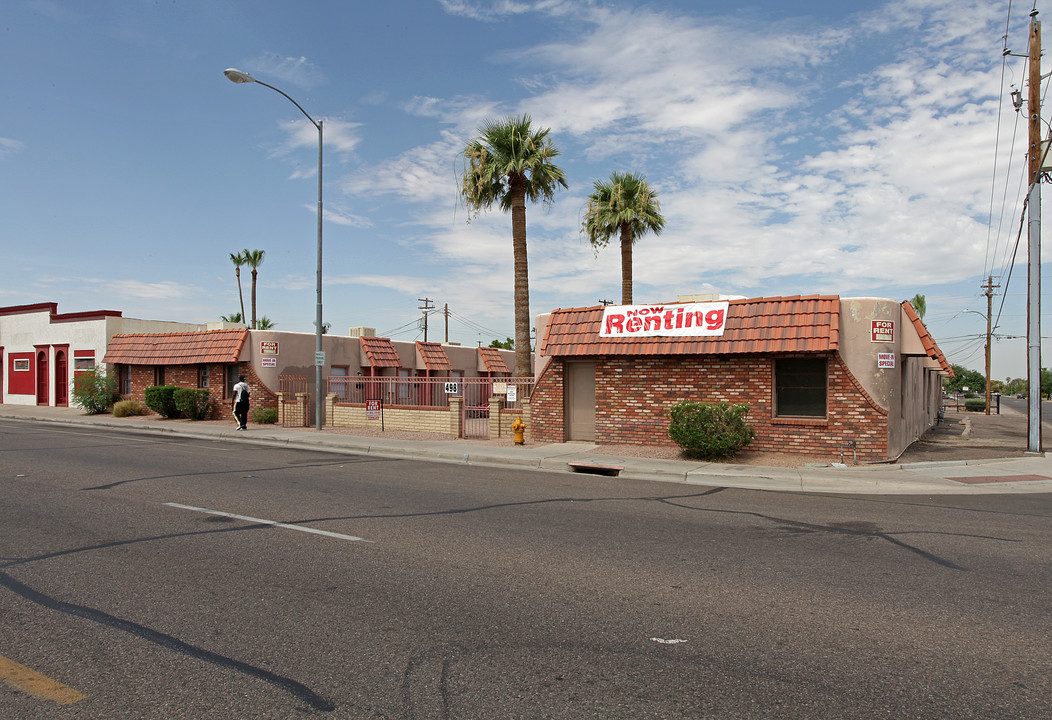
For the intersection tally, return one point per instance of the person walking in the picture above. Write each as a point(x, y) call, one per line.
point(241, 403)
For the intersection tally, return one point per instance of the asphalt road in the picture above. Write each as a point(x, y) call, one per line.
point(444, 591)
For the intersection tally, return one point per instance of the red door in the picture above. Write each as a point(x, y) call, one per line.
point(42, 378)
point(61, 379)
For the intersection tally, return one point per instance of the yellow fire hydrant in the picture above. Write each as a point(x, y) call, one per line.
point(519, 427)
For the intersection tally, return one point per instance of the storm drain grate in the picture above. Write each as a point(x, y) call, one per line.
point(980, 479)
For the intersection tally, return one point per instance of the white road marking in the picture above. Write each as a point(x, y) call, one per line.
point(663, 641)
point(287, 526)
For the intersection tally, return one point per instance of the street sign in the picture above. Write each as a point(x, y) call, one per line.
point(319, 358)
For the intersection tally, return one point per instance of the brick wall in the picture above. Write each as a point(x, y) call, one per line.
point(633, 395)
point(186, 376)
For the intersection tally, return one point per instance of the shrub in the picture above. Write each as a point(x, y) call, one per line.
point(95, 391)
point(193, 403)
point(709, 430)
point(976, 405)
point(161, 399)
point(264, 415)
point(126, 408)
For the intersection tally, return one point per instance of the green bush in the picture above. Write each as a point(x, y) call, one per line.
point(193, 403)
point(709, 430)
point(161, 399)
point(976, 405)
point(126, 408)
point(95, 391)
point(264, 415)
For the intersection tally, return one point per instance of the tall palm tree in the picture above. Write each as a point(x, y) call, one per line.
point(239, 259)
point(253, 258)
point(509, 163)
point(623, 205)
point(920, 304)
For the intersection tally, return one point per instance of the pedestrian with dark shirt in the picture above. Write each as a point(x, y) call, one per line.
point(241, 403)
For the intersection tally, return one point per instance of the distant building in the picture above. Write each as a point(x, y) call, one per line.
point(42, 350)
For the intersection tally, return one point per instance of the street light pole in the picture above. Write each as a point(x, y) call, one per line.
point(237, 76)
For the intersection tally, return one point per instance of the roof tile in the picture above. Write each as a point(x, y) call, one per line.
point(802, 323)
point(433, 355)
point(380, 352)
point(494, 361)
point(186, 348)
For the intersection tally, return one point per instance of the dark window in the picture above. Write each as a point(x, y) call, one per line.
point(124, 379)
point(231, 381)
point(158, 375)
point(202, 376)
point(800, 387)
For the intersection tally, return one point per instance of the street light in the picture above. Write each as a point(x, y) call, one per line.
point(989, 330)
point(237, 76)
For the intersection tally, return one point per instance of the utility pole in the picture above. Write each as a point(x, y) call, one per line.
point(446, 313)
point(427, 306)
point(1033, 307)
point(989, 329)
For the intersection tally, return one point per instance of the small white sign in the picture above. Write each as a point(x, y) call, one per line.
point(452, 388)
point(513, 393)
point(319, 358)
point(885, 360)
point(499, 388)
point(269, 362)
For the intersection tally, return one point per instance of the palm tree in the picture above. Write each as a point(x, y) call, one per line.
point(253, 258)
point(266, 323)
point(234, 317)
point(920, 304)
point(624, 205)
point(239, 259)
point(509, 163)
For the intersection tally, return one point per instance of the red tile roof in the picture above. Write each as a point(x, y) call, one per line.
point(930, 346)
point(494, 361)
point(380, 352)
point(186, 348)
point(433, 355)
point(801, 323)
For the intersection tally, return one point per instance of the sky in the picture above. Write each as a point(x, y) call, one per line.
point(860, 149)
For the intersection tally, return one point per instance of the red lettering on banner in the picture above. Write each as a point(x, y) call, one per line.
point(615, 323)
point(714, 319)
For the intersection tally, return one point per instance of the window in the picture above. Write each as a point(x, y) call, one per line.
point(158, 375)
point(231, 381)
point(800, 387)
point(202, 376)
point(124, 379)
point(21, 365)
point(82, 364)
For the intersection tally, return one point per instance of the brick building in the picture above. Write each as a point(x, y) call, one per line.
point(820, 374)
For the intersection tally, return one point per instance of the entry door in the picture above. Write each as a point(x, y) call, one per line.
point(579, 401)
point(42, 378)
point(61, 379)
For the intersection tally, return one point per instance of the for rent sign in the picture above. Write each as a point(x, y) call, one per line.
point(686, 320)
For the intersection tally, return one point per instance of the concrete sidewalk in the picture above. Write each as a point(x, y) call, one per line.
point(1025, 474)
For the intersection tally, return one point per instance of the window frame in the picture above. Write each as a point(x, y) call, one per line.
point(780, 374)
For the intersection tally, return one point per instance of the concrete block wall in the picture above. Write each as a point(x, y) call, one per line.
point(436, 421)
point(633, 395)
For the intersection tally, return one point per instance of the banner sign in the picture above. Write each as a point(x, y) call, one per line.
point(681, 320)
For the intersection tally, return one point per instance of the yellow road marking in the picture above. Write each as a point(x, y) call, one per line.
point(30, 681)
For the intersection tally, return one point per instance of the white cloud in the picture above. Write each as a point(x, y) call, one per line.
point(9, 147)
point(295, 70)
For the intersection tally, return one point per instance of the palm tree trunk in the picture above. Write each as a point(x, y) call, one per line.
point(253, 298)
point(626, 264)
point(240, 295)
point(522, 278)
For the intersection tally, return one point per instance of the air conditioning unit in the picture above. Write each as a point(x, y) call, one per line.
point(362, 332)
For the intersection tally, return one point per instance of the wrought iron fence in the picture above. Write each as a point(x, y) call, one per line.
point(429, 392)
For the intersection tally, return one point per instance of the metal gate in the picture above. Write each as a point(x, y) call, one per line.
point(295, 401)
point(475, 409)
